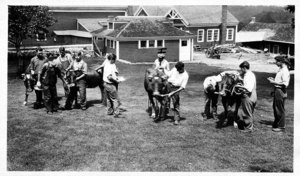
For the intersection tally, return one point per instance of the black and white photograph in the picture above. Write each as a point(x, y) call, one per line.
point(147, 87)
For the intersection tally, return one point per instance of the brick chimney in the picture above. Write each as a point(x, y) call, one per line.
point(224, 24)
point(252, 20)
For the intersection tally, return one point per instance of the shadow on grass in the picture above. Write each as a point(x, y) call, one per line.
point(91, 103)
point(224, 121)
point(266, 122)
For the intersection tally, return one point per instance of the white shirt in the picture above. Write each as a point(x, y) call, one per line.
point(178, 79)
point(249, 80)
point(211, 80)
point(163, 64)
point(283, 76)
point(109, 69)
point(81, 65)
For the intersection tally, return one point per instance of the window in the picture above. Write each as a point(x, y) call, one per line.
point(212, 35)
point(107, 42)
point(41, 36)
point(110, 25)
point(229, 34)
point(275, 49)
point(160, 43)
point(143, 44)
point(112, 44)
point(151, 43)
point(200, 35)
point(183, 42)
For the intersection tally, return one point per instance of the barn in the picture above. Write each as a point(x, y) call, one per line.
point(277, 38)
point(137, 38)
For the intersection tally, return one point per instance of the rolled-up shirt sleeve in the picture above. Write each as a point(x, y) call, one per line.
point(185, 81)
point(85, 69)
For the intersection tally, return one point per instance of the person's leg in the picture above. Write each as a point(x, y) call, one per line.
point(246, 113)
point(54, 98)
point(48, 99)
point(207, 105)
point(214, 106)
point(110, 105)
point(176, 103)
point(279, 109)
point(82, 92)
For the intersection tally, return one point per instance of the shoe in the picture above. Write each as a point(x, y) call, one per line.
point(83, 108)
point(176, 122)
point(278, 129)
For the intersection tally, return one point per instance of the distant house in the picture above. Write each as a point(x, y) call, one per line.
point(71, 29)
point(205, 22)
point(277, 38)
point(138, 38)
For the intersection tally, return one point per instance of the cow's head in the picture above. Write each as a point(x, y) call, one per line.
point(156, 81)
point(228, 83)
point(28, 82)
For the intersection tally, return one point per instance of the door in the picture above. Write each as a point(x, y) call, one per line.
point(184, 49)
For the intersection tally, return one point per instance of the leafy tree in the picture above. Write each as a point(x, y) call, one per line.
point(26, 21)
point(291, 9)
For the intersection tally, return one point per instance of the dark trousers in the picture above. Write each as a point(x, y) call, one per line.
point(279, 108)
point(113, 102)
point(81, 86)
point(50, 98)
point(211, 101)
point(176, 101)
point(38, 93)
point(245, 113)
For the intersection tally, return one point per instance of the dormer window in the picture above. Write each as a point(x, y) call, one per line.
point(110, 25)
point(173, 15)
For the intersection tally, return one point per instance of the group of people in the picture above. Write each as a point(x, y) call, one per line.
point(248, 97)
point(46, 70)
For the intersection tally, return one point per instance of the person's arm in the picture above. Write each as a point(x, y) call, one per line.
point(168, 66)
point(84, 71)
point(182, 87)
point(32, 66)
point(41, 73)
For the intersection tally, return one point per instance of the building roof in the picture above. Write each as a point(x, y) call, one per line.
point(246, 36)
point(273, 31)
point(193, 15)
point(146, 27)
point(87, 8)
point(92, 24)
point(74, 33)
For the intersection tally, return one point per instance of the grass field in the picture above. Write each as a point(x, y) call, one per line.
point(90, 140)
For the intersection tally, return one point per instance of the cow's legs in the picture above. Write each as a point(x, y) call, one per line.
point(26, 99)
point(152, 106)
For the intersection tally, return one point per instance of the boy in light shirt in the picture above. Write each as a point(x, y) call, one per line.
point(177, 82)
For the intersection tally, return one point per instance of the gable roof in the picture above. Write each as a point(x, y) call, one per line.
point(195, 15)
point(92, 24)
point(273, 31)
point(145, 27)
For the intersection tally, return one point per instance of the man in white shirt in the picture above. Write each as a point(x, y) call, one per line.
point(211, 86)
point(280, 83)
point(63, 61)
point(161, 63)
point(177, 82)
point(248, 98)
point(111, 81)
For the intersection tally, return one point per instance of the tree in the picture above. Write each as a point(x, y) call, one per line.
point(26, 21)
point(291, 9)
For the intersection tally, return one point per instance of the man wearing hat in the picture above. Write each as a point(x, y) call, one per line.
point(280, 82)
point(63, 61)
point(177, 82)
point(48, 77)
point(248, 98)
point(161, 63)
point(36, 64)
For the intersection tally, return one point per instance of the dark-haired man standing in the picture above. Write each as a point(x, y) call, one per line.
point(177, 82)
point(248, 98)
point(280, 82)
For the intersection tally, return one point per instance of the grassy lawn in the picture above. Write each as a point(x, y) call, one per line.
point(90, 140)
